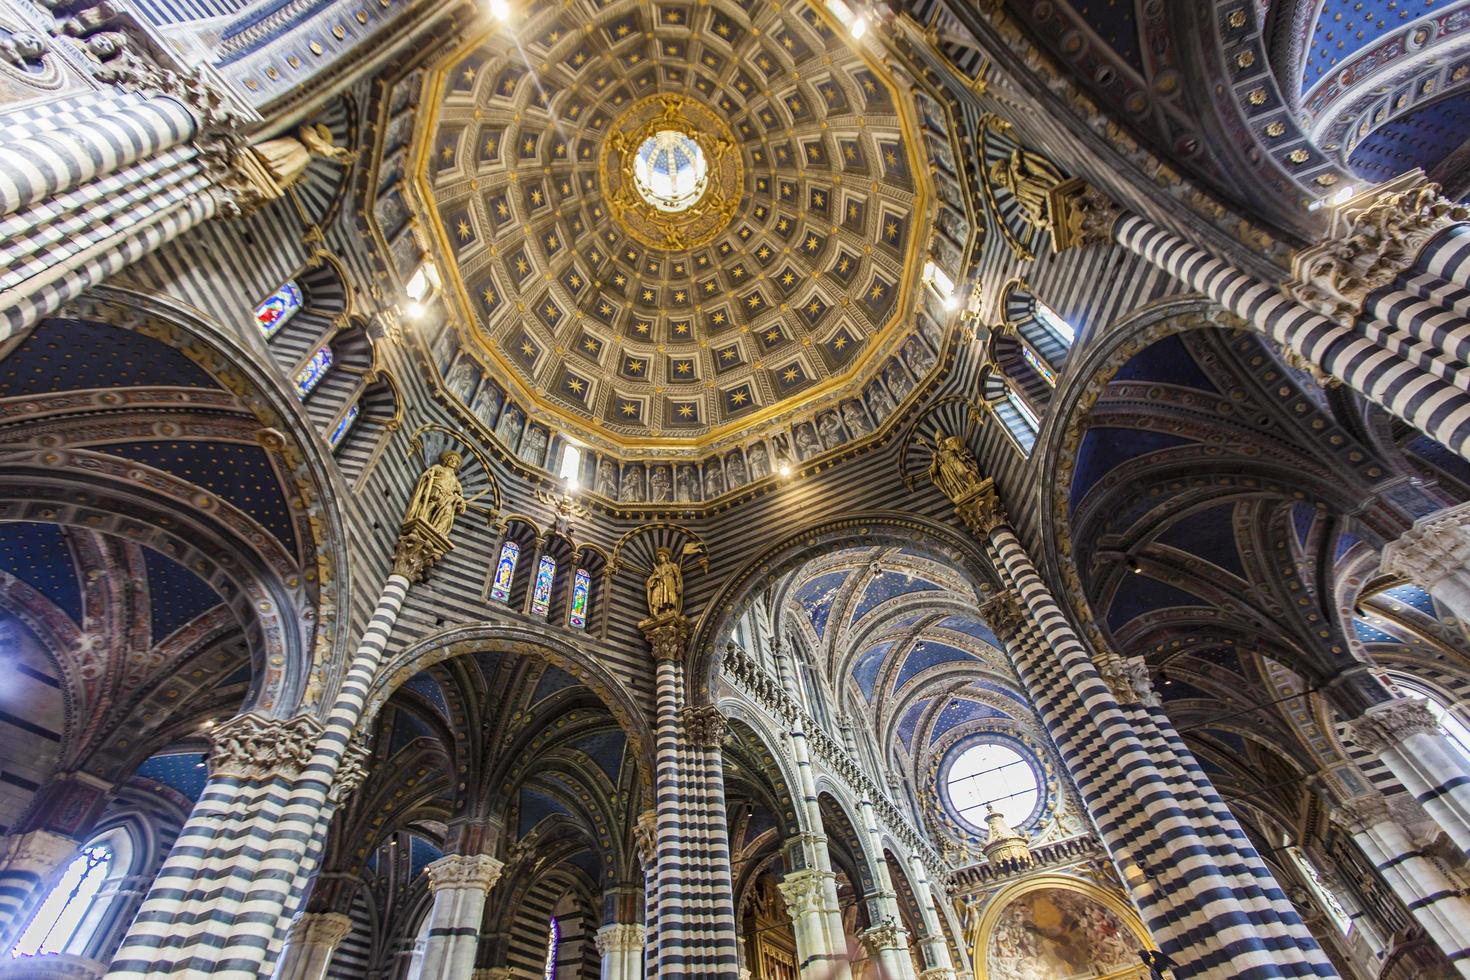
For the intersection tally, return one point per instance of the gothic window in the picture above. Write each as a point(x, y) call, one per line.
point(1013, 411)
point(541, 594)
point(343, 424)
point(553, 936)
point(990, 774)
point(271, 315)
point(61, 924)
point(581, 587)
point(1320, 891)
point(1048, 318)
point(505, 571)
point(313, 371)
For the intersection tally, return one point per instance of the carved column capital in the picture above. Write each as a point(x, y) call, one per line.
point(320, 928)
point(1384, 726)
point(981, 510)
point(419, 547)
point(668, 636)
point(805, 891)
point(353, 769)
point(1080, 214)
point(1358, 815)
point(1139, 682)
point(620, 937)
point(1004, 614)
point(705, 725)
point(645, 838)
point(253, 746)
point(887, 934)
point(1435, 547)
point(458, 871)
point(1372, 239)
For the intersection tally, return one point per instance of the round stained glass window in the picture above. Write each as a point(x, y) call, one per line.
point(670, 170)
point(990, 774)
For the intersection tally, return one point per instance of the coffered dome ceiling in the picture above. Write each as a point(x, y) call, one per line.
point(665, 223)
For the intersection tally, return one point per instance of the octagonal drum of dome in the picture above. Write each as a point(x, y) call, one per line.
point(665, 224)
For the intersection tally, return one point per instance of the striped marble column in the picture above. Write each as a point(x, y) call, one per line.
point(883, 903)
point(1436, 903)
point(695, 922)
point(620, 944)
point(1404, 735)
point(1438, 408)
point(1185, 880)
point(310, 945)
point(887, 944)
point(459, 883)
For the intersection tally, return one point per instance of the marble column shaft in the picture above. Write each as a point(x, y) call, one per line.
point(310, 945)
point(459, 883)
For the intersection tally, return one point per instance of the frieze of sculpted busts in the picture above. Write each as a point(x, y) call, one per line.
point(456, 871)
point(1374, 237)
point(253, 746)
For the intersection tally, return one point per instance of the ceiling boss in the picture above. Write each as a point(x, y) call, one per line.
point(670, 172)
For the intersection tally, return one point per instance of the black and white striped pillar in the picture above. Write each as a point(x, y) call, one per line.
point(459, 883)
point(312, 942)
point(1406, 738)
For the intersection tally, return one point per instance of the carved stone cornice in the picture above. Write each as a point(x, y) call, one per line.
point(320, 929)
point(1363, 813)
point(461, 871)
point(1004, 613)
point(704, 725)
point(884, 936)
point(805, 891)
point(668, 636)
point(620, 937)
point(419, 547)
point(1436, 547)
point(1373, 238)
point(1386, 725)
point(256, 747)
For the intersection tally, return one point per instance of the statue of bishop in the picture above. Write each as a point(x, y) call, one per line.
point(953, 468)
point(1030, 178)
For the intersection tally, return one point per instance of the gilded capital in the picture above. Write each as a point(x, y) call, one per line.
point(982, 511)
point(1080, 214)
point(457, 871)
point(256, 747)
point(1004, 614)
point(704, 725)
point(668, 637)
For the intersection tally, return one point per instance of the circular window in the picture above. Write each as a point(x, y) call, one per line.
point(989, 774)
point(670, 171)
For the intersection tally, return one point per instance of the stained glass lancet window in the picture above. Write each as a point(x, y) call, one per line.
point(271, 315)
point(54, 926)
point(343, 424)
point(581, 585)
point(505, 571)
point(1049, 319)
point(316, 369)
point(1040, 366)
point(541, 595)
point(553, 936)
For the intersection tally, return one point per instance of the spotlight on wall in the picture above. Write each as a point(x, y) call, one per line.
point(855, 21)
point(939, 281)
point(783, 470)
point(500, 9)
point(415, 310)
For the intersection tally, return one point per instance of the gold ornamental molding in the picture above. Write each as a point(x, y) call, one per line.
point(721, 176)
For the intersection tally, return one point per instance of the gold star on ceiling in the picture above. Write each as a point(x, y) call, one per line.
point(790, 374)
point(738, 397)
point(576, 385)
point(686, 411)
point(629, 408)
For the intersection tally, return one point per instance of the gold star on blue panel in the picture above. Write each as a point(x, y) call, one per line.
point(647, 295)
point(895, 162)
point(854, 214)
point(891, 229)
point(790, 378)
point(770, 336)
point(844, 267)
point(728, 357)
point(814, 152)
point(634, 366)
point(812, 243)
point(520, 265)
point(624, 28)
point(786, 191)
point(461, 229)
point(724, 28)
point(816, 23)
point(462, 79)
point(728, 106)
point(814, 309)
point(624, 409)
point(680, 412)
point(681, 370)
point(548, 312)
point(534, 194)
point(878, 297)
point(524, 350)
point(709, 287)
point(737, 400)
point(766, 253)
point(497, 206)
point(604, 309)
point(792, 44)
point(552, 240)
point(446, 149)
point(875, 93)
point(589, 347)
point(712, 60)
point(786, 226)
point(491, 139)
point(784, 153)
point(819, 199)
point(719, 320)
point(580, 58)
point(788, 280)
point(833, 95)
point(753, 303)
point(553, 35)
point(505, 85)
point(798, 105)
point(762, 185)
point(737, 274)
point(680, 329)
point(679, 295)
point(573, 386)
point(839, 348)
point(486, 296)
point(853, 156)
point(574, 279)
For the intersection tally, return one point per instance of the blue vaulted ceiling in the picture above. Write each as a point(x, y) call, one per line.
point(1422, 137)
point(1140, 594)
point(1209, 534)
point(1344, 27)
point(185, 772)
point(889, 585)
point(57, 356)
point(39, 556)
point(816, 597)
point(178, 596)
